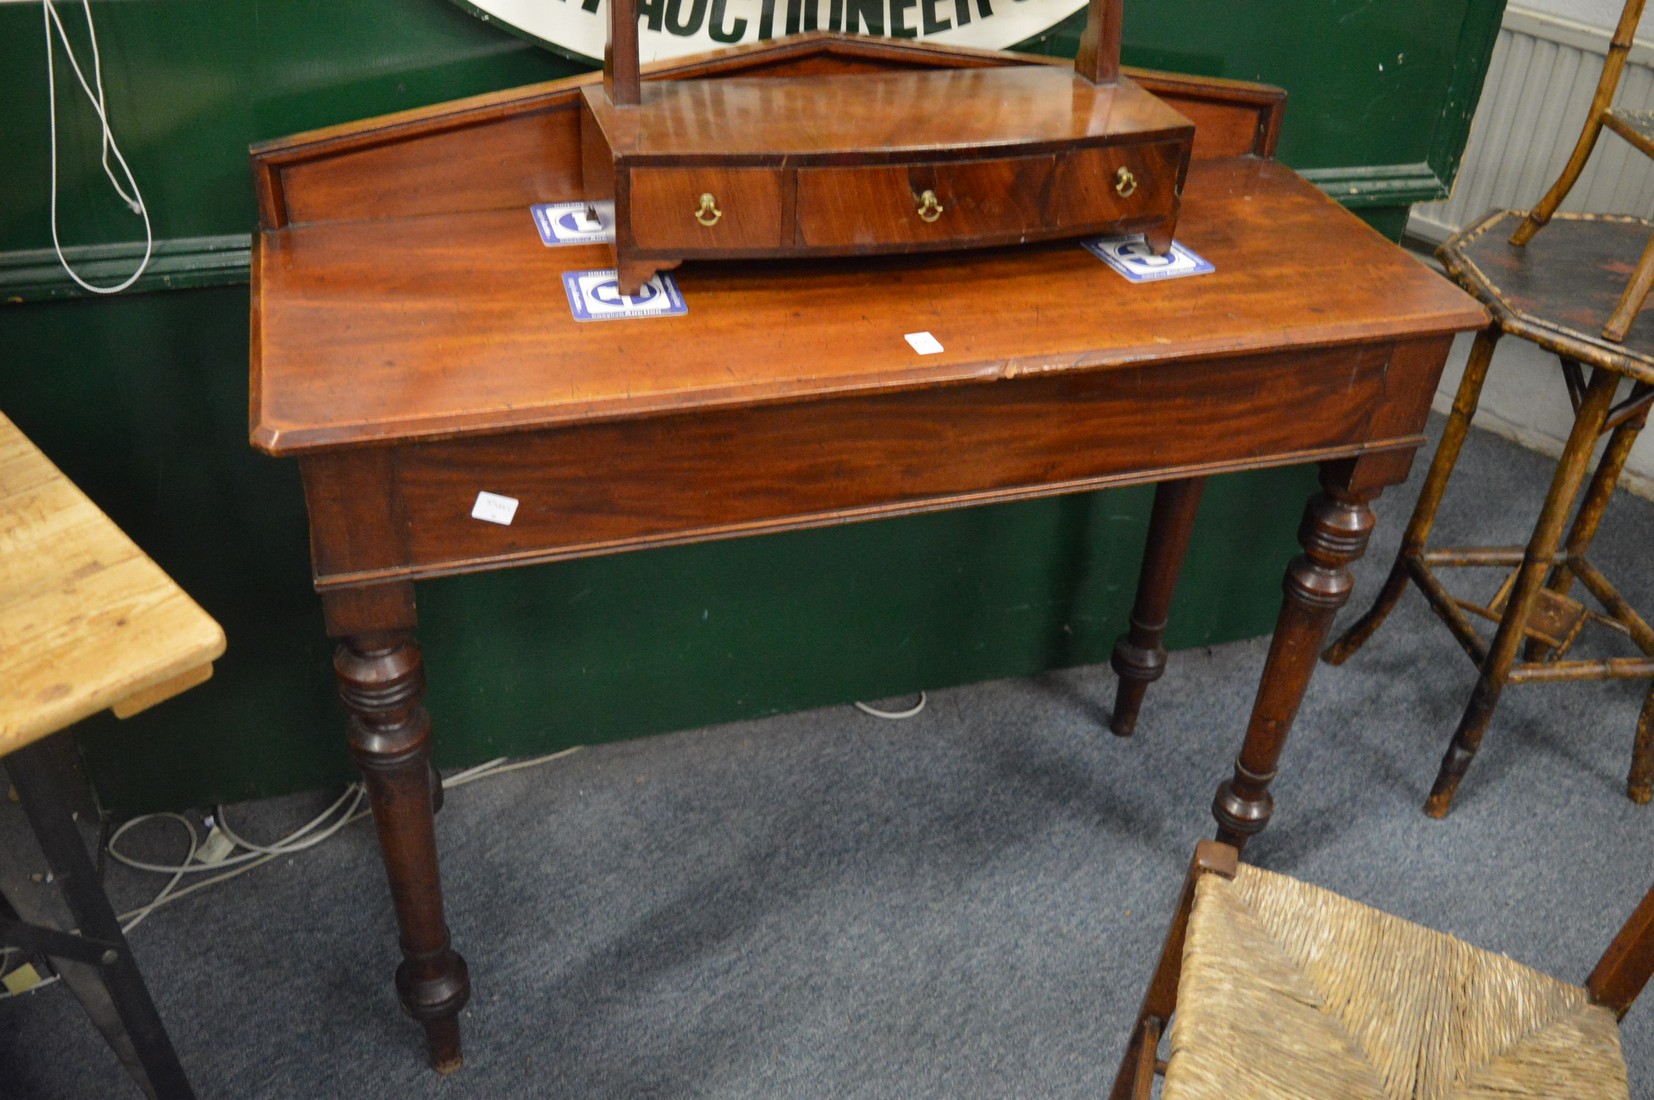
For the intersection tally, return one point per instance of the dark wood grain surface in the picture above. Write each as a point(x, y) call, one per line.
point(881, 148)
point(611, 485)
point(518, 146)
point(443, 324)
point(950, 113)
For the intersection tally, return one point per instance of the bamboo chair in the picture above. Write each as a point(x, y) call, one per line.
point(1285, 990)
point(1636, 127)
point(1566, 292)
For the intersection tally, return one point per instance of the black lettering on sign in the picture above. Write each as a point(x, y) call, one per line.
point(715, 25)
point(677, 25)
point(588, 5)
point(864, 13)
point(650, 11)
point(801, 16)
point(898, 19)
point(904, 18)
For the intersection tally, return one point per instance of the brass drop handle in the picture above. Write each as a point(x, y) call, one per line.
point(929, 208)
point(709, 213)
point(1124, 183)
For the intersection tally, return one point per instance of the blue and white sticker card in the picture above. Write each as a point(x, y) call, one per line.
point(563, 223)
point(596, 296)
point(1132, 257)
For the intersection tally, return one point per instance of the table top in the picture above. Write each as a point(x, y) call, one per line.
point(427, 327)
point(87, 621)
point(1033, 107)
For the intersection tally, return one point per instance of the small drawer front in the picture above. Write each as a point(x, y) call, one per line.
point(694, 209)
point(1115, 182)
point(921, 203)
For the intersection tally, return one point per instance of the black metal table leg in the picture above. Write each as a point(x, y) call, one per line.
point(148, 1051)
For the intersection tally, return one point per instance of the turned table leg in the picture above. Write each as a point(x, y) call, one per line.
point(382, 683)
point(1138, 657)
point(1430, 498)
point(1333, 534)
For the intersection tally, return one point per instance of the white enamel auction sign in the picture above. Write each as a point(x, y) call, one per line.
point(674, 28)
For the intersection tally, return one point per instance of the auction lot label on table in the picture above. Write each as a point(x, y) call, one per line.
point(595, 296)
point(677, 28)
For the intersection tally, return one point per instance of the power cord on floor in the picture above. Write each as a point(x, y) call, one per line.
point(241, 855)
point(894, 715)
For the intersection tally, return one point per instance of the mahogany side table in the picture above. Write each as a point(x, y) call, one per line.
point(408, 365)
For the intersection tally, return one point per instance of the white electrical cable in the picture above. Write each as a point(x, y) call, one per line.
point(256, 855)
point(500, 767)
point(136, 917)
point(135, 200)
point(299, 839)
point(479, 771)
point(286, 845)
point(347, 807)
point(894, 715)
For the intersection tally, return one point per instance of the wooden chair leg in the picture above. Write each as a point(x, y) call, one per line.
point(1625, 967)
point(1160, 1001)
point(1138, 658)
point(1639, 783)
point(1541, 551)
point(1591, 509)
point(1430, 497)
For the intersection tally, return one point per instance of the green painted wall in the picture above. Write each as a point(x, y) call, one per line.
point(142, 400)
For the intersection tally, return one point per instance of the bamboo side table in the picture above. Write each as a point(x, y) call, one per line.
point(87, 621)
point(1557, 291)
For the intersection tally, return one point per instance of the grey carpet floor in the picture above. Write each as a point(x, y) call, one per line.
point(966, 904)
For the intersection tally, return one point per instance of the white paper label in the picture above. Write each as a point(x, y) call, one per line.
point(923, 343)
point(494, 508)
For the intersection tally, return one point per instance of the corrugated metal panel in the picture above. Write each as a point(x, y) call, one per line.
point(1539, 86)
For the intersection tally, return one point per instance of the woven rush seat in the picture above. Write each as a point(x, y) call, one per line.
point(1278, 990)
point(1289, 990)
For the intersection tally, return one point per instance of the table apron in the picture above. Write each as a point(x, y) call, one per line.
point(404, 511)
